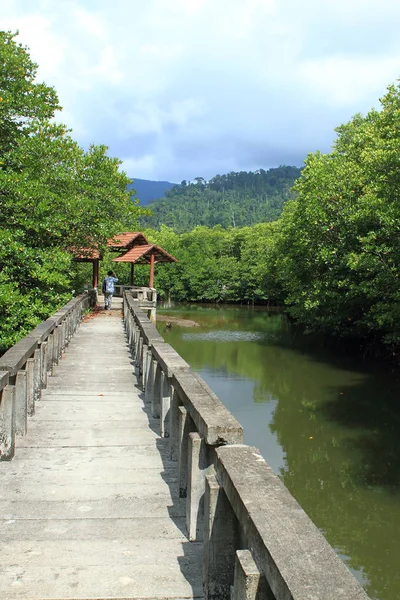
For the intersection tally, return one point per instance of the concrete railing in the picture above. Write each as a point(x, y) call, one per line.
point(143, 294)
point(24, 369)
point(258, 541)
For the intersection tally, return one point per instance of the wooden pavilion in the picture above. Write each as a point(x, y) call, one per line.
point(145, 254)
point(135, 249)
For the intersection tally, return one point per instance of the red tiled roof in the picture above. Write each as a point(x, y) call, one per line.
point(143, 253)
point(122, 241)
point(83, 254)
point(127, 239)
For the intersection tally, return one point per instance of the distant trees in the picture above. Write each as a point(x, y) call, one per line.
point(333, 257)
point(232, 200)
point(53, 197)
point(340, 246)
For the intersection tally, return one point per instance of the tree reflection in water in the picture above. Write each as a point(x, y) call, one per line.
point(335, 420)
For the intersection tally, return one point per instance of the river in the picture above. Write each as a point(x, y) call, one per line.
point(327, 423)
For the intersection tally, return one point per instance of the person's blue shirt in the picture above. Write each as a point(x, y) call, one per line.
point(110, 280)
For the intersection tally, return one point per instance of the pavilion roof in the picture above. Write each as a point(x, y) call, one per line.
point(126, 240)
point(142, 254)
point(86, 255)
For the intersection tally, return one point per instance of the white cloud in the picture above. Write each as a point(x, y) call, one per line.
point(91, 23)
point(190, 87)
point(145, 166)
point(346, 81)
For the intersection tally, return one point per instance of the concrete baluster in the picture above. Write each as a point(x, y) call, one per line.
point(221, 539)
point(50, 352)
point(155, 404)
point(197, 465)
point(64, 336)
point(138, 352)
point(186, 426)
point(143, 365)
point(133, 333)
point(165, 405)
point(21, 404)
point(127, 325)
point(44, 364)
point(174, 425)
point(249, 583)
point(60, 341)
point(37, 374)
point(136, 340)
point(68, 332)
point(149, 391)
point(72, 324)
point(146, 372)
point(30, 386)
point(7, 423)
point(130, 325)
point(56, 333)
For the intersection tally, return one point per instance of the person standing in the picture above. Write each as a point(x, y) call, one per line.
point(108, 289)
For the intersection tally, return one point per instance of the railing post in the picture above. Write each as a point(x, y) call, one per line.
point(138, 357)
point(155, 404)
point(143, 365)
point(30, 386)
point(44, 364)
point(146, 370)
point(186, 426)
point(249, 583)
point(221, 538)
point(50, 353)
point(55, 352)
point(21, 412)
point(63, 336)
point(149, 391)
point(37, 375)
point(197, 465)
point(174, 426)
point(165, 404)
point(7, 423)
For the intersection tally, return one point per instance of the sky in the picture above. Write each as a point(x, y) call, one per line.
point(179, 89)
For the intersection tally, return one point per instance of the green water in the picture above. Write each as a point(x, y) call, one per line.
point(328, 424)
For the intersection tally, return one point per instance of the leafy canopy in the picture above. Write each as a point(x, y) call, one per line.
point(54, 197)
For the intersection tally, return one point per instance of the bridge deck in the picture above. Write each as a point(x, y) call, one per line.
point(88, 506)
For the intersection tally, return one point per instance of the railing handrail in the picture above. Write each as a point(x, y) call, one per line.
point(24, 369)
point(16, 356)
point(288, 548)
point(233, 499)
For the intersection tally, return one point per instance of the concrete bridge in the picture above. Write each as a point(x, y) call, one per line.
point(124, 476)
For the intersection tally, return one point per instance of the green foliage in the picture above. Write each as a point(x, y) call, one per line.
point(216, 264)
point(232, 200)
point(339, 246)
point(334, 255)
point(54, 198)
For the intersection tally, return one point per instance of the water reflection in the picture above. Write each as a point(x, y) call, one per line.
point(327, 424)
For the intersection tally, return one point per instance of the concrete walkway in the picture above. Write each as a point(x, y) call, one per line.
point(88, 506)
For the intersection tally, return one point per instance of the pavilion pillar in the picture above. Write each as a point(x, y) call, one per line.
point(95, 279)
point(132, 272)
point(151, 283)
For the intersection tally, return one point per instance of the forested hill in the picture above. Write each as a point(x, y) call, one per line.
point(147, 191)
point(235, 199)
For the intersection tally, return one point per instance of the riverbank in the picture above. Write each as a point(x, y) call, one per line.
point(177, 321)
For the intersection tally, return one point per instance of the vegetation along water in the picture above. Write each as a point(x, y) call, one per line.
point(326, 423)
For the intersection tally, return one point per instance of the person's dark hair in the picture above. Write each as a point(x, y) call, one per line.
point(110, 273)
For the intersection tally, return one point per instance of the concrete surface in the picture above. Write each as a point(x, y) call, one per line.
point(88, 506)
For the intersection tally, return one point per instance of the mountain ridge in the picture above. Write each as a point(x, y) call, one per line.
point(236, 199)
point(147, 190)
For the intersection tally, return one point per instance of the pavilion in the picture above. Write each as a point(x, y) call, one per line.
point(134, 248)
